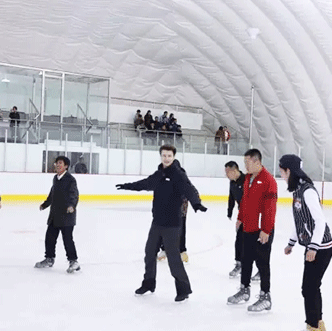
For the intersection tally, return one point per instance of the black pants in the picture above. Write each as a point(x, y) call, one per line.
point(253, 250)
point(170, 239)
point(52, 234)
point(182, 236)
point(239, 244)
point(312, 280)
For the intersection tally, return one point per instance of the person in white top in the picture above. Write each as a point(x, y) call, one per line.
point(312, 232)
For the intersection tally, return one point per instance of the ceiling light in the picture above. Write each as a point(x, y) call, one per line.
point(5, 80)
point(253, 32)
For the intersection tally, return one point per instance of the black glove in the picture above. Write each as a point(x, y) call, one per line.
point(120, 186)
point(200, 207)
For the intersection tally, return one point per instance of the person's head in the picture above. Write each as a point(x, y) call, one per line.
point(61, 164)
point(14, 109)
point(81, 159)
point(167, 154)
point(220, 127)
point(171, 115)
point(232, 170)
point(290, 166)
point(156, 119)
point(225, 127)
point(138, 111)
point(165, 113)
point(175, 120)
point(253, 161)
point(149, 112)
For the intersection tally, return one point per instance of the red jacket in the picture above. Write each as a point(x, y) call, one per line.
point(259, 200)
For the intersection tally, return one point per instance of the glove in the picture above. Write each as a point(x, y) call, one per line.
point(200, 207)
point(120, 186)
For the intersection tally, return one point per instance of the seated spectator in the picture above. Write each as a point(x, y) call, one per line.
point(157, 124)
point(136, 118)
point(148, 119)
point(173, 126)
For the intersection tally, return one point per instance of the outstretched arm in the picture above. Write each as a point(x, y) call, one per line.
point(147, 184)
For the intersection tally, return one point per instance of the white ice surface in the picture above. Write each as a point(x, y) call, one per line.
point(110, 241)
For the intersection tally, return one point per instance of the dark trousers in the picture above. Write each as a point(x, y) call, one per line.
point(52, 234)
point(170, 239)
point(312, 280)
point(253, 250)
point(239, 244)
point(182, 236)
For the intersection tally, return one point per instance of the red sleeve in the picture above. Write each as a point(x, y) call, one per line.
point(269, 206)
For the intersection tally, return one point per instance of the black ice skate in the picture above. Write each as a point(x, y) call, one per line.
point(142, 290)
point(263, 303)
point(73, 266)
point(47, 263)
point(181, 297)
point(236, 271)
point(242, 295)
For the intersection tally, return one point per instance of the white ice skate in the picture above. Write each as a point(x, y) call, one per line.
point(161, 256)
point(73, 266)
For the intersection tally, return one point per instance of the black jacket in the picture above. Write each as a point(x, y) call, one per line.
point(170, 186)
point(63, 194)
point(15, 118)
point(235, 193)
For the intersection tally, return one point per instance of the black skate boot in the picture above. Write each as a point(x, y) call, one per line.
point(147, 285)
point(263, 303)
point(47, 263)
point(73, 266)
point(242, 295)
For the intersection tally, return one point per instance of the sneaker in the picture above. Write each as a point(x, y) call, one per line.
point(321, 325)
point(181, 297)
point(256, 278)
point(242, 295)
point(263, 302)
point(236, 271)
point(161, 256)
point(73, 266)
point(184, 257)
point(48, 262)
point(142, 290)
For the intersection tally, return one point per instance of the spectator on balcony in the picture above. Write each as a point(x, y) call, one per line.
point(164, 118)
point(148, 119)
point(80, 166)
point(226, 135)
point(217, 139)
point(137, 118)
point(14, 122)
point(157, 124)
point(139, 122)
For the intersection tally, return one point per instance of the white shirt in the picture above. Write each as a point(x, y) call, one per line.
point(59, 177)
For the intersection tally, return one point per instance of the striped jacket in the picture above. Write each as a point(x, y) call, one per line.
point(306, 226)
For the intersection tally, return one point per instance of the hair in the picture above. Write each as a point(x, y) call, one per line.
point(65, 160)
point(293, 180)
point(254, 153)
point(220, 127)
point(232, 164)
point(138, 111)
point(15, 107)
point(167, 148)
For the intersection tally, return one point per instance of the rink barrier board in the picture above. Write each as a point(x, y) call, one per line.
point(17, 198)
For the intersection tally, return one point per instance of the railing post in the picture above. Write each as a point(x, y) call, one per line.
point(15, 132)
point(66, 146)
point(46, 152)
point(108, 154)
point(125, 156)
point(274, 160)
point(183, 151)
point(5, 152)
point(26, 152)
point(90, 163)
point(141, 159)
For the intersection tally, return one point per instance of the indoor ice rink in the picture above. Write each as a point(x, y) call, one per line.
point(106, 83)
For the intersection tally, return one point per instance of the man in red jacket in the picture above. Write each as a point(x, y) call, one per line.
point(257, 214)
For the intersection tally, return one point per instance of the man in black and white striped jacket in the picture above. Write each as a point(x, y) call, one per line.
point(311, 230)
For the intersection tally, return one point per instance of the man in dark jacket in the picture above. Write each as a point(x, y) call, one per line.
point(169, 185)
point(63, 199)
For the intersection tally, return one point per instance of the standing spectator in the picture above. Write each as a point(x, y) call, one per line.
point(80, 166)
point(226, 135)
point(138, 118)
point(148, 119)
point(164, 118)
point(139, 122)
point(257, 214)
point(312, 232)
point(63, 199)
point(14, 122)
point(217, 139)
point(169, 185)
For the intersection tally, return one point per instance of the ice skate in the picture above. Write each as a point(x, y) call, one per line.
point(47, 263)
point(321, 325)
point(73, 266)
point(184, 257)
point(263, 303)
point(242, 295)
point(161, 256)
point(310, 328)
point(236, 271)
point(181, 297)
point(142, 290)
point(256, 278)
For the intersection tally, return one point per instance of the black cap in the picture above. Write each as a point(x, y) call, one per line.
point(293, 163)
